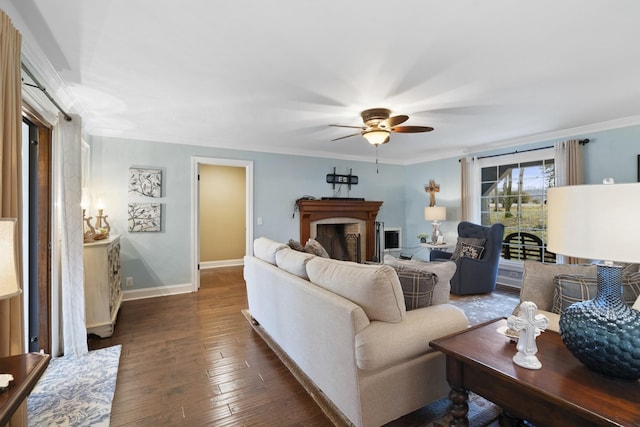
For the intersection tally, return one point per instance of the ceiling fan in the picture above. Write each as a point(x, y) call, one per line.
point(378, 125)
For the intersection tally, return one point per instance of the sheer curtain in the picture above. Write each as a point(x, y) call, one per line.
point(11, 328)
point(67, 142)
point(569, 160)
point(470, 192)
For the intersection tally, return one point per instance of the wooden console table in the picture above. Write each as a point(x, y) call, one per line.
point(26, 370)
point(563, 393)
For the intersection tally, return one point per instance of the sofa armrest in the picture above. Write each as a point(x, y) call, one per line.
point(383, 344)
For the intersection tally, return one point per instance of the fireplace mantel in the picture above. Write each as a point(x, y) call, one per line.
point(316, 210)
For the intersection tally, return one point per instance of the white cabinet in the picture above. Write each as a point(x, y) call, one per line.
point(102, 285)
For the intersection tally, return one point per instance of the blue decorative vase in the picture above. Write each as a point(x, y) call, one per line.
point(604, 333)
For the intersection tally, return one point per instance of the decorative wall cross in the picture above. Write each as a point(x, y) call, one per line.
point(529, 325)
point(432, 189)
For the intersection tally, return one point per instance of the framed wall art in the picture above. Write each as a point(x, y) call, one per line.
point(145, 182)
point(145, 217)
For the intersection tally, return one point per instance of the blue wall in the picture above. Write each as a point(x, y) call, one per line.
point(164, 258)
point(610, 153)
point(161, 259)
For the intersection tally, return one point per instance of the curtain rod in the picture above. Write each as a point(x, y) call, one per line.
point(581, 142)
point(37, 85)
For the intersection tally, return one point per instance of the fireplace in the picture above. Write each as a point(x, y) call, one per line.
point(341, 214)
point(341, 237)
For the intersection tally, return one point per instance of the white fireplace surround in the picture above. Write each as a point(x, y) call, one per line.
point(313, 230)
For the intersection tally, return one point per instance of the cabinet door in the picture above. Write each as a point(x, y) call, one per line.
point(114, 275)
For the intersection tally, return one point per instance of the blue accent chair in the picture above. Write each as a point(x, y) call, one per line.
point(475, 276)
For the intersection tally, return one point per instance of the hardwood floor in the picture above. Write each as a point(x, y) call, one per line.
point(194, 360)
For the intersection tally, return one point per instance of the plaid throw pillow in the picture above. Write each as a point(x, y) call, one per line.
point(417, 287)
point(572, 288)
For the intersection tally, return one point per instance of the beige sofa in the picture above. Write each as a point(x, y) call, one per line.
point(346, 327)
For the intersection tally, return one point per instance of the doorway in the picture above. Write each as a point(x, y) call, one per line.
point(196, 164)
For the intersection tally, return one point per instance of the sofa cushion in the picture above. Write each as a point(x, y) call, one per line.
point(293, 262)
point(537, 280)
point(295, 245)
point(265, 249)
point(375, 288)
point(475, 241)
point(315, 248)
point(572, 288)
point(443, 270)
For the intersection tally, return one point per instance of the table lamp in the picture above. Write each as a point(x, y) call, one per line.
point(435, 214)
point(599, 222)
point(9, 284)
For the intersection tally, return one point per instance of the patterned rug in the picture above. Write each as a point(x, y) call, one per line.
point(483, 307)
point(76, 391)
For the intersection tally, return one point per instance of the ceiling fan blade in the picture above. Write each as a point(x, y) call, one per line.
point(344, 126)
point(347, 136)
point(411, 129)
point(393, 121)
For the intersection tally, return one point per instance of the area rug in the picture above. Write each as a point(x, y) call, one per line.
point(76, 391)
point(484, 307)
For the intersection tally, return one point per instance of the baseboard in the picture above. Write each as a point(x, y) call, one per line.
point(159, 291)
point(224, 263)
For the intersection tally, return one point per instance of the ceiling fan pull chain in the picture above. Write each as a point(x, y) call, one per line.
point(377, 171)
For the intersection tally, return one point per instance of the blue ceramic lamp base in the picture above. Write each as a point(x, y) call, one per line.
point(604, 333)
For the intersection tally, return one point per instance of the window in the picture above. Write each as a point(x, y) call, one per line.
point(514, 193)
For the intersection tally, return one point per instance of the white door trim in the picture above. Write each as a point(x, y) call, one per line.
point(195, 208)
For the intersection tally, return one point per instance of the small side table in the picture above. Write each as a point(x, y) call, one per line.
point(26, 370)
point(437, 245)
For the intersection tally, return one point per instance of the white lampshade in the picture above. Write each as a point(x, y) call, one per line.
point(596, 222)
point(377, 137)
point(435, 213)
point(9, 285)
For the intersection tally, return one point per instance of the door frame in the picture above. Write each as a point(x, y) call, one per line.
point(196, 161)
point(43, 253)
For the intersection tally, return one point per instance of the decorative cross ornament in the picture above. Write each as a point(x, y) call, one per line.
point(529, 325)
point(432, 189)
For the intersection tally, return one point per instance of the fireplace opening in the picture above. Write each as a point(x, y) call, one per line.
point(341, 241)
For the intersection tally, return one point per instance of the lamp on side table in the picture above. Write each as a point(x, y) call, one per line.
point(599, 222)
point(435, 214)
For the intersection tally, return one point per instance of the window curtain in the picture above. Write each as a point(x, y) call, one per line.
point(569, 160)
point(470, 195)
point(11, 327)
point(69, 227)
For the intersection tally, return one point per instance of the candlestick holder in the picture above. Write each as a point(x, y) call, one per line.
point(88, 230)
point(102, 226)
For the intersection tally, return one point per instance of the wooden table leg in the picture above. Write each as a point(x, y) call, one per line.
point(459, 407)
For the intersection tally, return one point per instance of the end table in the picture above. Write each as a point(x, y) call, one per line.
point(26, 370)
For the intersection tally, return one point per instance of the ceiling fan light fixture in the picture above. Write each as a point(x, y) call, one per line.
point(377, 136)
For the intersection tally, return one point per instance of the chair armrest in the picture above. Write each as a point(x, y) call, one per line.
point(438, 254)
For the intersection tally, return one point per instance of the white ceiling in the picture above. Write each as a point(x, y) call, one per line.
point(271, 76)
